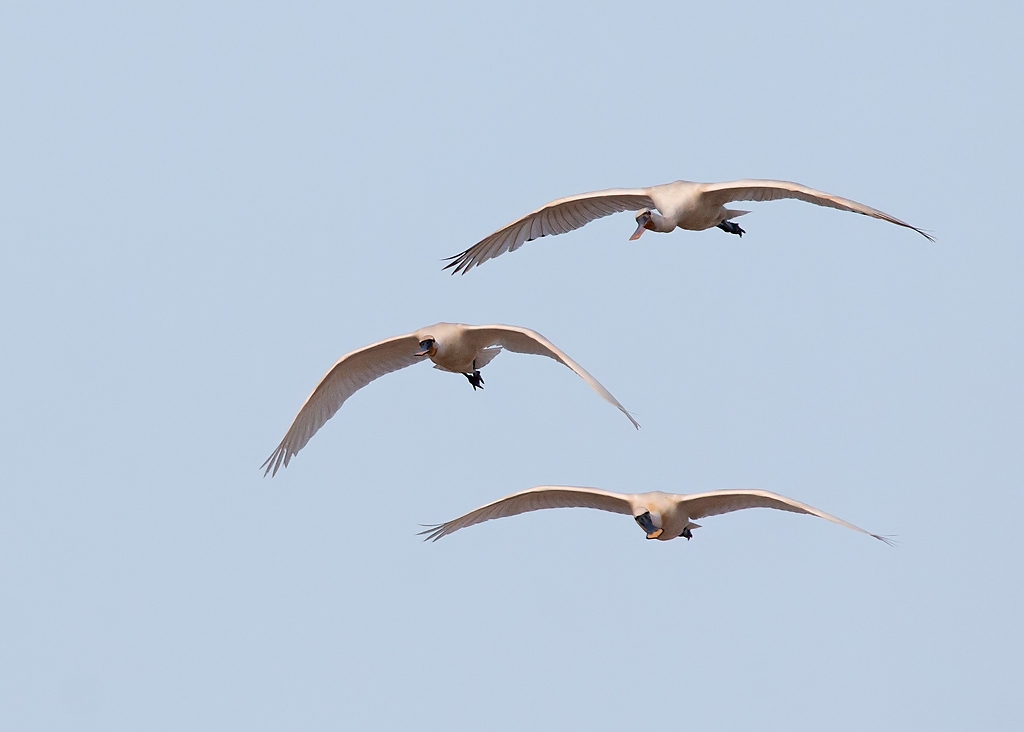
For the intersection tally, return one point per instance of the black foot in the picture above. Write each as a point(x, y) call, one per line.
point(686, 532)
point(476, 380)
point(732, 229)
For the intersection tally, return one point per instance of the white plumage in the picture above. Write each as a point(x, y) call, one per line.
point(663, 516)
point(452, 347)
point(682, 204)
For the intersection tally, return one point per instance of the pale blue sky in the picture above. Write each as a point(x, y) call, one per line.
point(202, 208)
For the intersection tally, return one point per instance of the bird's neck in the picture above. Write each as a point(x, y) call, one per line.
point(660, 223)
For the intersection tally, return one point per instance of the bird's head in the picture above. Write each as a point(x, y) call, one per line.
point(428, 347)
point(650, 523)
point(644, 220)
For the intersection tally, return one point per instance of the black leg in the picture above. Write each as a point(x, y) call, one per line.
point(731, 228)
point(686, 533)
point(475, 379)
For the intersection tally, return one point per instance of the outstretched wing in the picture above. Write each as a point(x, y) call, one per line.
point(557, 217)
point(700, 505)
point(773, 190)
point(523, 340)
point(351, 373)
point(536, 499)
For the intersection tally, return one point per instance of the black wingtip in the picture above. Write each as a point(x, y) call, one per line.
point(275, 462)
point(432, 532)
point(266, 467)
point(456, 263)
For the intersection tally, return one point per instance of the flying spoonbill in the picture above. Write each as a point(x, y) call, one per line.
point(460, 349)
point(662, 516)
point(682, 204)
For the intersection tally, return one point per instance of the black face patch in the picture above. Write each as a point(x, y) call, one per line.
point(645, 522)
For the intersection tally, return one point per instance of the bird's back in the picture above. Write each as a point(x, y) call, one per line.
point(676, 200)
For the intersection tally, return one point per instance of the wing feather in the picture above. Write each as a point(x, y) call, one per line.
point(523, 340)
point(351, 373)
point(773, 190)
point(535, 499)
point(713, 503)
point(557, 217)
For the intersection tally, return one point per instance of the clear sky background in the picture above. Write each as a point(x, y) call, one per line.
point(203, 206)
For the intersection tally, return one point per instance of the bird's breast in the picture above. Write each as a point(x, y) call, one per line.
point(683, 206)
point(701, 218)
point(456, 357)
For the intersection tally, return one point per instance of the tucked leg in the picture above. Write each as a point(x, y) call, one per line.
point(475, 378)
point(731, 228)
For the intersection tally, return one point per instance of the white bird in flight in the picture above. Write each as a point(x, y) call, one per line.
point(662, 516)
point(683, 204)
point(461, 349)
